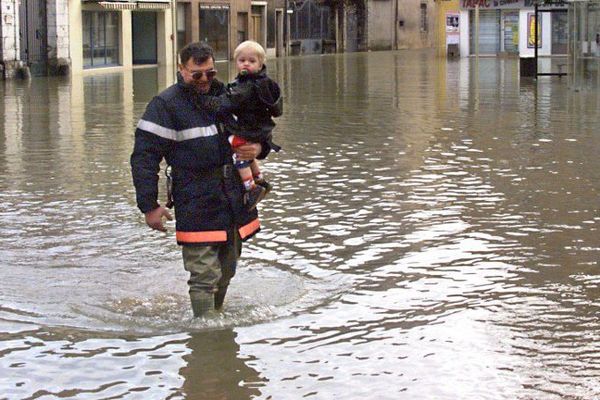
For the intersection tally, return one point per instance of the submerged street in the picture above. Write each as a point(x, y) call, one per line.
point(432, 234)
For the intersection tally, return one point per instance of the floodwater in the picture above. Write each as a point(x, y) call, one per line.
point(432, 234)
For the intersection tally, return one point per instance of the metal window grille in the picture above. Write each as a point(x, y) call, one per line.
point(310, 20)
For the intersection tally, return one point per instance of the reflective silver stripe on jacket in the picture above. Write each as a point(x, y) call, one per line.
point(178, 136)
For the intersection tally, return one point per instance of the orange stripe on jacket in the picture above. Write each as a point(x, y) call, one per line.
point(201, 237)
point(249, 229)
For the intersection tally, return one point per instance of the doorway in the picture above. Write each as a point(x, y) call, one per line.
point(257, 18)
point(351, 28)
point(33, 37)
point(143, 32)
point(510, 21)
point(242, 27)
point(279, 33)
point(489, 32)
point(560, 35)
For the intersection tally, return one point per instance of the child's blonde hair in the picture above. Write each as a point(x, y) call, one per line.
point(252, 46)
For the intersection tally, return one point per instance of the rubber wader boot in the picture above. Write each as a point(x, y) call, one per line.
point(201, 303)
point(220, 297)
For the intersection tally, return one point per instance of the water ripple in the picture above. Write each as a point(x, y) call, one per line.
point(431, 234)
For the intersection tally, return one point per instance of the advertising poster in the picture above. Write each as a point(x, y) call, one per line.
point(452, 29)
point(531, 31)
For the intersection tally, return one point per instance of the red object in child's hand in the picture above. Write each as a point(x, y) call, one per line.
point(237, 141)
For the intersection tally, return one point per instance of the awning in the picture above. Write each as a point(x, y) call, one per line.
point(159, 5)
point(153, 5)
point(133, 5)
point(117, 5)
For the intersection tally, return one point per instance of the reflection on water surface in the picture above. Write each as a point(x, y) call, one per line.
point(432, 234)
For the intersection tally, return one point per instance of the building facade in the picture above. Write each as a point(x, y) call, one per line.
point(41, 37)
point(226, 24)
point(363, 25)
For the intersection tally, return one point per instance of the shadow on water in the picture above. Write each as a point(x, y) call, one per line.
point(195, 365)
point(215, 370)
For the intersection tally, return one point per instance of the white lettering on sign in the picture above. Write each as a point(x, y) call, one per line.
point(491, 4)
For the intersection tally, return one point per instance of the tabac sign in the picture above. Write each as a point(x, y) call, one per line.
point(514, 4)
point(492, 4)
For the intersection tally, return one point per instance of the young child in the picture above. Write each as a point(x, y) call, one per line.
point(253, 98)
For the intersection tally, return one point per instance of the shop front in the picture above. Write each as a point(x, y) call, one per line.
point(493, 26)
point(504, 28)
point(120, 34)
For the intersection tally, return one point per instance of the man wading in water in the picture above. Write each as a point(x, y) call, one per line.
point(211, 219)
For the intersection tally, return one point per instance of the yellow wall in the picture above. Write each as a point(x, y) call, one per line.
point(75, 36)
point(443, 6)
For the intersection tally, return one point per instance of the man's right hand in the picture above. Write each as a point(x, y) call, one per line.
point(154, 218)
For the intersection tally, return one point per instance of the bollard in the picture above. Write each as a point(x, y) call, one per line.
point(527, 67)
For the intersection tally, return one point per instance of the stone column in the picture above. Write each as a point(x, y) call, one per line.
point(59, 62)
point(9, 38)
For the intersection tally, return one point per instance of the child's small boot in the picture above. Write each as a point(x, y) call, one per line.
point(253, 196)
point(265, 184)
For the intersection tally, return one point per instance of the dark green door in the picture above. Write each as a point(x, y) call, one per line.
point(144, 37)
point(33, 35)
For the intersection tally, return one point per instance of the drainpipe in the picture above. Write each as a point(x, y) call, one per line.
point(395, 24)
point(285, 28)
point(17, 25)
point(477, 31)
point(174, 37)
point(535, 39)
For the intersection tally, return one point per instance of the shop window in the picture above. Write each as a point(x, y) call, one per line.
point(214, 29)
point(560, 36)
point(182, 17)
point(100, 39)
point(310, 20)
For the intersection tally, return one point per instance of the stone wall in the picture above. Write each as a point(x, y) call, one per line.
point(410, 34)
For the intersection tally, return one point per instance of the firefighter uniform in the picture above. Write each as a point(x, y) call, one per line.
point(207, 191)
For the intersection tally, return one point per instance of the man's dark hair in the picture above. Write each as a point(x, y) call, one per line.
point(200, 52)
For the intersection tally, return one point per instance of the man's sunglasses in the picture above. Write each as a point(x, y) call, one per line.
point(210, 74)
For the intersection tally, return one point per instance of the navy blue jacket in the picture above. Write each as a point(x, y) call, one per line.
point(253, 99)
point(207, 190)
